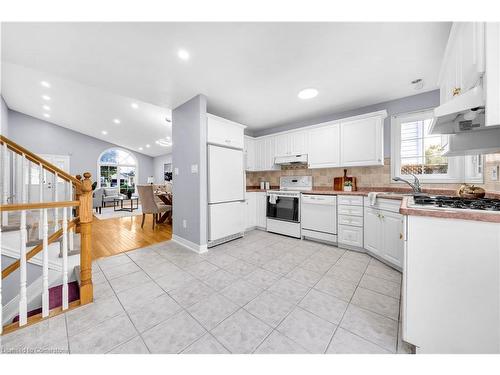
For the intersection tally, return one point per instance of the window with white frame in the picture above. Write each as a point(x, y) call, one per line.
point(416, 151)
point(117, 169)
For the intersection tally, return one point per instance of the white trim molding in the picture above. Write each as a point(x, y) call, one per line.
point(200, 249)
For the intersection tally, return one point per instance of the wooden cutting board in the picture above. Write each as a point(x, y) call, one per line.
point(338, 182)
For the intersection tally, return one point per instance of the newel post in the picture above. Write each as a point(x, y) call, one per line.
point(85, 213)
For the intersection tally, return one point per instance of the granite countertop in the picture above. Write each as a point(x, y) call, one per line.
point(399, 193)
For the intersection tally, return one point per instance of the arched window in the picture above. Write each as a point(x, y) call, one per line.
point(118, 168)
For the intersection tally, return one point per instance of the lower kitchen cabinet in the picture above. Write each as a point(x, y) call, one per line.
point(350, 236)
point(255, 210)
point(383, 235)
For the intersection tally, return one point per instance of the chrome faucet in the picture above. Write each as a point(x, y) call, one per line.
point(415, 186)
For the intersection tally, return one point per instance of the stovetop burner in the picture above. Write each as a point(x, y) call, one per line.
point(486, 204)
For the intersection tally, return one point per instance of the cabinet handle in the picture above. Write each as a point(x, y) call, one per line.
point(400, 236)
point(228, 141)
point(456, 91)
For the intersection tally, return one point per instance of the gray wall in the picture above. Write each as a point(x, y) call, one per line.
point(42, 137)
point(4, 118)
point(158, 162)
point(189, 131)
point(409, 104)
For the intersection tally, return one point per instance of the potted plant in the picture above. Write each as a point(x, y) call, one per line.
point(348, 186)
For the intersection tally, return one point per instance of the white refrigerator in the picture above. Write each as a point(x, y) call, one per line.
point(226, 194)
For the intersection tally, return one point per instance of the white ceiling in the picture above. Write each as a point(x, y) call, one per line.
point(250, 72)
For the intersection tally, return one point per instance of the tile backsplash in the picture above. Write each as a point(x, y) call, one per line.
point(377, 176)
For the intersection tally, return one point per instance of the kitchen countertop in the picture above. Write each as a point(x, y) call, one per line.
point(475, 215)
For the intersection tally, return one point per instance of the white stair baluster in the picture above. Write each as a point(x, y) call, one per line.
point(56, 210)
point(71, 243)
point(45, 265)
point(23, 305)
point(65, 296)
point(5, 182)
point(40, 199)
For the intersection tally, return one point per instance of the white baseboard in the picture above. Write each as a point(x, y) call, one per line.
point(200, 249)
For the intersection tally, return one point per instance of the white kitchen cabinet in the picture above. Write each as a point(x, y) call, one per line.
point(491, 78)
point(464, 59)
point(324, 146)
point(372, 231)
point(261, 206)
point(224, 132)
point(350, 236)
point(250, 210)
point(350, 219)
point(265, 152)
point(292, 143)
point(451, 293)
point(362, 142)
point(383, 235)
point(249, 152)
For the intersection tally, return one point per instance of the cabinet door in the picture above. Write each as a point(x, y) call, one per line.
point(261, 209)
point(352, 236)
point(283, 144)
point(259, 154)
point(269, 153)
point(251, 210)
point(298, 143)
point(392, 237)
point(323, 149)
point(362, 142)
point(225, 133)
point(372, 231)
point(249, 154)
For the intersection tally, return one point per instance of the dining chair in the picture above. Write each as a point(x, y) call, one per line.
point(149, 204)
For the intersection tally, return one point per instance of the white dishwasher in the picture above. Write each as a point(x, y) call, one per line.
point(319, 217)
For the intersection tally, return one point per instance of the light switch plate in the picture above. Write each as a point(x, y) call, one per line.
point(494, 173)
point(176, 171)
point(194, 168)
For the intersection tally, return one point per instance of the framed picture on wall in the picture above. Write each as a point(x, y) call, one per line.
point(167, 172)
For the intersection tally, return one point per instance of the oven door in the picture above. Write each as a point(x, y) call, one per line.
point(285, 208)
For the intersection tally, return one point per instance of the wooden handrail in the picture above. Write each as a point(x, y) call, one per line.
point(38, 160)
point(52, 238)
point(36, 206)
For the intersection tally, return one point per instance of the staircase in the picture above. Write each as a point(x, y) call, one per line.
point(45, 254)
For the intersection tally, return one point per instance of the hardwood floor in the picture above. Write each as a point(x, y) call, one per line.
point(114, 236)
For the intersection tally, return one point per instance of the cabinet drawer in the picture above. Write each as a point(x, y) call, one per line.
point(350, 210)
point(351, 200)
point(350, 235)
point(356, 221)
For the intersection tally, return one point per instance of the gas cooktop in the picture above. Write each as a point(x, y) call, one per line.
point(444, 202)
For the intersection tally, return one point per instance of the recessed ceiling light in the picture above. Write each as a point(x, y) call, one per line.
point(307, 93)
point(183, 54)
point(134, 105)
point(148, 145)
point(140, 148)
point(46, 115)
point(45, 97)
point(104, 132)
point(45, 84)
point(164, 142)
point(116, 121)
point(46, 107)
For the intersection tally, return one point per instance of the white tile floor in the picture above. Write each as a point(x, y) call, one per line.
point(264, 293)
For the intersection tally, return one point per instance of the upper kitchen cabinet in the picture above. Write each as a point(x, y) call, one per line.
point(292, 143)
point(249, 152)
point(224, 132)
point(265, 152)
point(324, 146)
point(362, 141)
point(464, 59)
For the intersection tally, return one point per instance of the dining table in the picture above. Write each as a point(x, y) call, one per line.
point(166, 198)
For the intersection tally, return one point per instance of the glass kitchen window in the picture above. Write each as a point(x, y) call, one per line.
point(416, 151)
